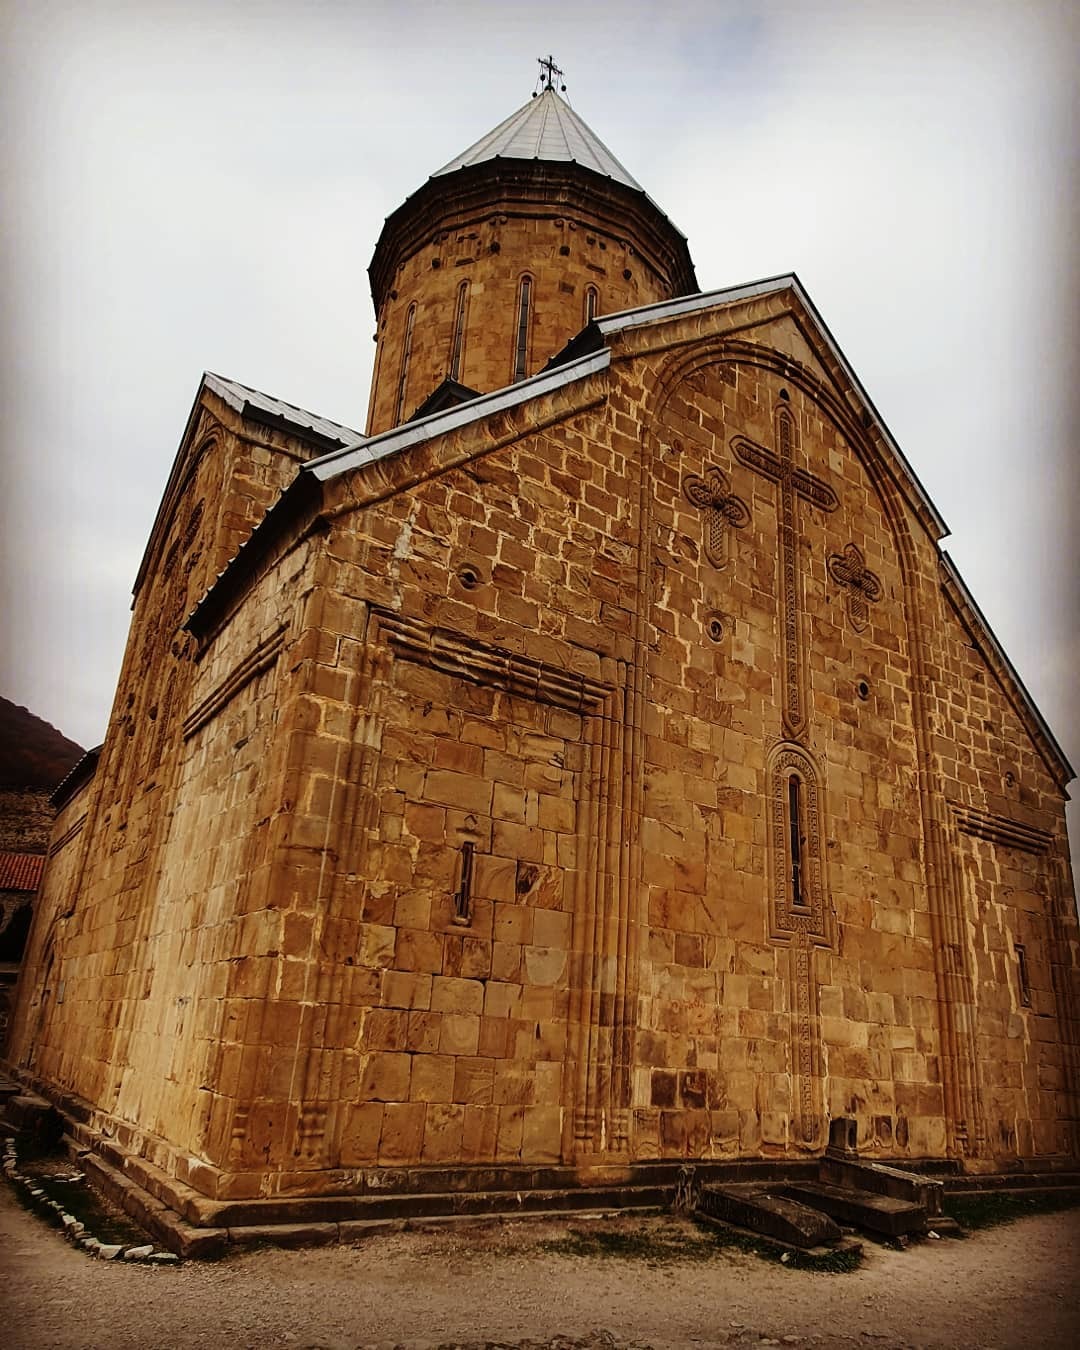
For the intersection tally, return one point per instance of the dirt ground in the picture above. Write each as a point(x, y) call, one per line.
point(509, 1284)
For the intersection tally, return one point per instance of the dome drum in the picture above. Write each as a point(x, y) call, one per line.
point(490, 224)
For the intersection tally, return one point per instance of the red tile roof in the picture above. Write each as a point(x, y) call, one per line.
point(21, 871)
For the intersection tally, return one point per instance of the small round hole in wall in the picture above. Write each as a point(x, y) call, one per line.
point(714, 627)
point(1010, 779)
point(468, 576)
point(785, 395)
point(862, 688)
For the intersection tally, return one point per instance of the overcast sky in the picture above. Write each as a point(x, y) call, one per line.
point(200, 186)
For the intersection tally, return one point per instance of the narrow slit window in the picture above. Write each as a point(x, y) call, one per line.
point(592, 303)
point(521, 349)
point(1022, 973)
point(406, 351)
point(463, 895)
point(457, 344)
point(796, 841)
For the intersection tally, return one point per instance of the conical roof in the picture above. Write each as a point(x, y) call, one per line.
point(546, 128)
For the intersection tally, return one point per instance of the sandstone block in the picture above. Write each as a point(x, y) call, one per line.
point(433, 1078)
point(402, 1132)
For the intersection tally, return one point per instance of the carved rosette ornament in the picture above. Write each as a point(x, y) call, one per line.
point(713, 495)
point(863, 587)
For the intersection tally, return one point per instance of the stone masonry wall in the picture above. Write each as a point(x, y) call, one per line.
point(1020, 930)
point(25, 820)
point(425, 1039)
point(606, 781)
point(759, 1021)
point(97, 1043)
point(40, 972)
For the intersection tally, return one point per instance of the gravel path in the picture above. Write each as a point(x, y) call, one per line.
point(1013, 1286)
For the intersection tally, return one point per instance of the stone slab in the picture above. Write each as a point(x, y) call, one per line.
point(759, 1209)
point(861, 1209)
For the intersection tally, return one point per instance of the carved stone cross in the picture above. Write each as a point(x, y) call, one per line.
point(849, 569)
point(779, 467)
point(714, 496)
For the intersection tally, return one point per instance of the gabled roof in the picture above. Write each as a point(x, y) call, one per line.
point(985, 639)
point(582, 357)
point(250, 403)
point(77, 778)
point(610, 324)
point(321, 433)
point(449, 394)
point(426, 428)
point(21, 871)
point(545, 128)
point(592, 341)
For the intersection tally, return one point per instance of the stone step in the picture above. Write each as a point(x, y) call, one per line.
point(1011, 1182)
point(353, 1230)
point(759, 1208)
point(411, 1205)
point(860, 1209)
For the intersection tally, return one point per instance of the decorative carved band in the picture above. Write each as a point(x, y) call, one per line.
point(769, 465)
point(483, 664)
point(800, 921)
point(66, 837)
point(779, 467)
point(256, 661)
point(1001, 830)
point(810, 915)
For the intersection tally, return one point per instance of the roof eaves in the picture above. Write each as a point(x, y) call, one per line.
point(275, 412)
point(81, 773)
point(319, 432)
point(21, 871)
point(998, 653)
point(438, 424)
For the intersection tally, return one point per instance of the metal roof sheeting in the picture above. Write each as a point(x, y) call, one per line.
point(424, 429)
point(546, 128)
point(240, 397)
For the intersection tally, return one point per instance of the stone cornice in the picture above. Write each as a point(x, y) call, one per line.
point(534, 189)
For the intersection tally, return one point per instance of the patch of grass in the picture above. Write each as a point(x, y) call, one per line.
point(48, 1170)
point(680, 1243)
point(831, 1263)
point(658, 1246)
point(987, 1209)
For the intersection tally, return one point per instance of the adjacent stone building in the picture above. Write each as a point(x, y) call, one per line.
point(34, 757)
point(605, 765)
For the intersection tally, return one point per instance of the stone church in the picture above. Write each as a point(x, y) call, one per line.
point(593, 765)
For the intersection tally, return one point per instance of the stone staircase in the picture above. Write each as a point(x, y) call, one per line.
point(847, 1193)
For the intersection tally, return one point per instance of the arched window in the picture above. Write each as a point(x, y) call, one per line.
point(796, 841)
point(406, 349)
point(592, 303)
point(457, 341)
point(521, 344)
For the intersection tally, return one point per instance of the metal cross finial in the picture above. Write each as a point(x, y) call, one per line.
point(548, 72)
